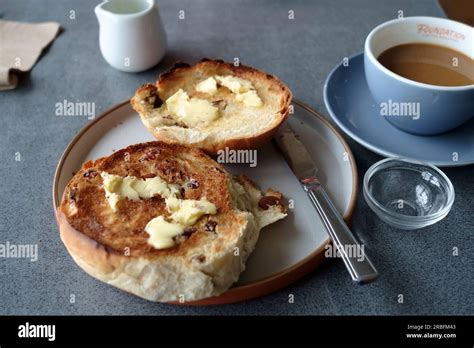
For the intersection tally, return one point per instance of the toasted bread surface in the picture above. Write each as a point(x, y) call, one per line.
point(237, 127)
point(112, 245)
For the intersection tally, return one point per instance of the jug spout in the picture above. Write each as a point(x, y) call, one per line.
point(99, 11)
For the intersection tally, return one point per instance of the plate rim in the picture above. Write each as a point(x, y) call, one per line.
point(267, 284)
point(365, 143)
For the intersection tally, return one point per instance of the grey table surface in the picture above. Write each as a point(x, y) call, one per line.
point(419, 265)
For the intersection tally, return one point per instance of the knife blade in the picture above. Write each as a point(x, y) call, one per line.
point(305, 169)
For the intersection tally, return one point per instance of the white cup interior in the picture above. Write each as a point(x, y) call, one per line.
point(127, 6)
point(429, 30)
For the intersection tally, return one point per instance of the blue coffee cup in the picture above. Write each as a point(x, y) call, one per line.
point(420, 108)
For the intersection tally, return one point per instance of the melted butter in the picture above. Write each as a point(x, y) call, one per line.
point(243, 89)
point(117, 188)
point(249, 98)
point(235, 84)
point(208, 86)
point(184, 213)
point(191, 111)
point(188, 211)
point(161, 232)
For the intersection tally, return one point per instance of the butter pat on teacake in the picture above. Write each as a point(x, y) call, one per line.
point(184, 212)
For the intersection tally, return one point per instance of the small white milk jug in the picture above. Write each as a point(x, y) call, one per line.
point(132, 37)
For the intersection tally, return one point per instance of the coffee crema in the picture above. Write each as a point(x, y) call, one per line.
point(431, 64)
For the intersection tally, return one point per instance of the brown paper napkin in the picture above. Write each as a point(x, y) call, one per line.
point(20, 46)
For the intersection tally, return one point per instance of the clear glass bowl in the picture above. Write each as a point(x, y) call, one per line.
point(408, 194)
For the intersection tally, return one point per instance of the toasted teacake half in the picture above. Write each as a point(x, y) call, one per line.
point(237, 126)
point(113, 247)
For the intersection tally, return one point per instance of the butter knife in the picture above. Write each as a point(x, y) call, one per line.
point(359, 266)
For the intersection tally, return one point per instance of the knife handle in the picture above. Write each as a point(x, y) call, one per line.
point(359, 265)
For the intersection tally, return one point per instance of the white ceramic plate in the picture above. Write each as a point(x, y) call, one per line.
point(287, 249)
